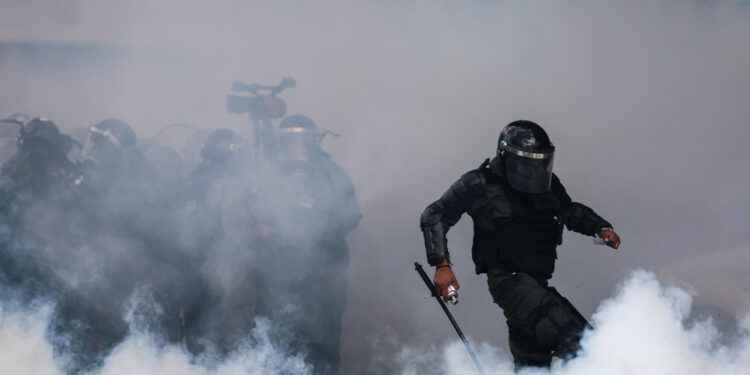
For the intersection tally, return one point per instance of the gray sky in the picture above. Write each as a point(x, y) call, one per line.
point(647, 103)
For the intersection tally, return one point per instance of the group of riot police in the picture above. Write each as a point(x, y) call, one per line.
point(106, 228)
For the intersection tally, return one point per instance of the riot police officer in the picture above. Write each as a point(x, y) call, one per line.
point(116, 217)
point(223, 190)
point(108, 141)
point(35, 183)
point(225, 153)
point(41, 163)
point(314, 207)
point(113, 164)
point(519, 208)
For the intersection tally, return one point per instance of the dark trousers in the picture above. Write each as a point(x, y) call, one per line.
point(541, 323)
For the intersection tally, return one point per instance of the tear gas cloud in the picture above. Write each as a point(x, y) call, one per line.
point(645, 102)
point(29, 352)
point(641, 330)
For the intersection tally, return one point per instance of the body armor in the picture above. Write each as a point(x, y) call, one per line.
point(513, 230)
point(524, 241)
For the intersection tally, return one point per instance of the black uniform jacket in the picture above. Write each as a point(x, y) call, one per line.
point(512, 229)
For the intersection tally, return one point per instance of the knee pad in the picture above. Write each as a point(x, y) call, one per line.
point(526, 349)
point(559, 326)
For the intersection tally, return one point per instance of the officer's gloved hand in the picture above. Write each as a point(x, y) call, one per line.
point(610, 238)
point(444, 278)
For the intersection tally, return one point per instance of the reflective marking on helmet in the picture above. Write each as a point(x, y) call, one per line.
point(107, 134)
point(297, 130)
point(526, 154)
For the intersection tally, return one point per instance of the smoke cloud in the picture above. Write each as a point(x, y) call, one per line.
point(643, 329)
point(28, 351)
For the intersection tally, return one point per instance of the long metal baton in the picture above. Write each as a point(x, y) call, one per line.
point(432, 289)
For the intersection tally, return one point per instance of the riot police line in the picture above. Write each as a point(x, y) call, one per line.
point(108, 229)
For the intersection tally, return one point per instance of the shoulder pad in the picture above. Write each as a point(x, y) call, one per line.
point(484, 164)
point(473, 179)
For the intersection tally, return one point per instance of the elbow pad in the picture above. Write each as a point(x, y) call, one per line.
point(433, 230)
point(438, 217)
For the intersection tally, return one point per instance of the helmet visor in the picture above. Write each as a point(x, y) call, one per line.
point(530, 172)
point(96, 142)
point(299, 144)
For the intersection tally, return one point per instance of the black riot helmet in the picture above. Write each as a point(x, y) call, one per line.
point(40, 133)
point(108, 141)
point(528, 155)
point(223, 145)
point(299, 139)
point(166, 161)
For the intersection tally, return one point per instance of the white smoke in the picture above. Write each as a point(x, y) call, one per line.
point(26, 350)
point(24, 347)
point(644, 329)
point(138, 355)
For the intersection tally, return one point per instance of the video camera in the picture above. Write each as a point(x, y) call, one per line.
point(259, 105)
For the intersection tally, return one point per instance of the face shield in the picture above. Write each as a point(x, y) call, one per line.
point(299, 144)
point(528, 171)
point(222, 151)
point(99, 144)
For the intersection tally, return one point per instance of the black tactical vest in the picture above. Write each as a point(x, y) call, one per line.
point(523, 239)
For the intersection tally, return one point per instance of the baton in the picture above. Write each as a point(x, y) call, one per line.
point(432, 289)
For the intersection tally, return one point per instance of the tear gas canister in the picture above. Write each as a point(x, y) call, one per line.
point(452, 295)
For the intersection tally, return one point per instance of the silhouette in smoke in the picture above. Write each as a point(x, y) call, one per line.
point(118, 243)
point(312, 207)
point(122, 239)
point(169, 173)
point(37, 177)
point(41, 162)
point(225, 154)
point(519, 208)
point(111, 155)
point(220, 186)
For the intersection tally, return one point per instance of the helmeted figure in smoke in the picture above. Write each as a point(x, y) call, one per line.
point(313, 207)
point(519, 208)
point(36, 181)
point(112, 159)
point(115, 224)
point(225, 153)
point(224, 190)
point(169, 170)
point(41, 163)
